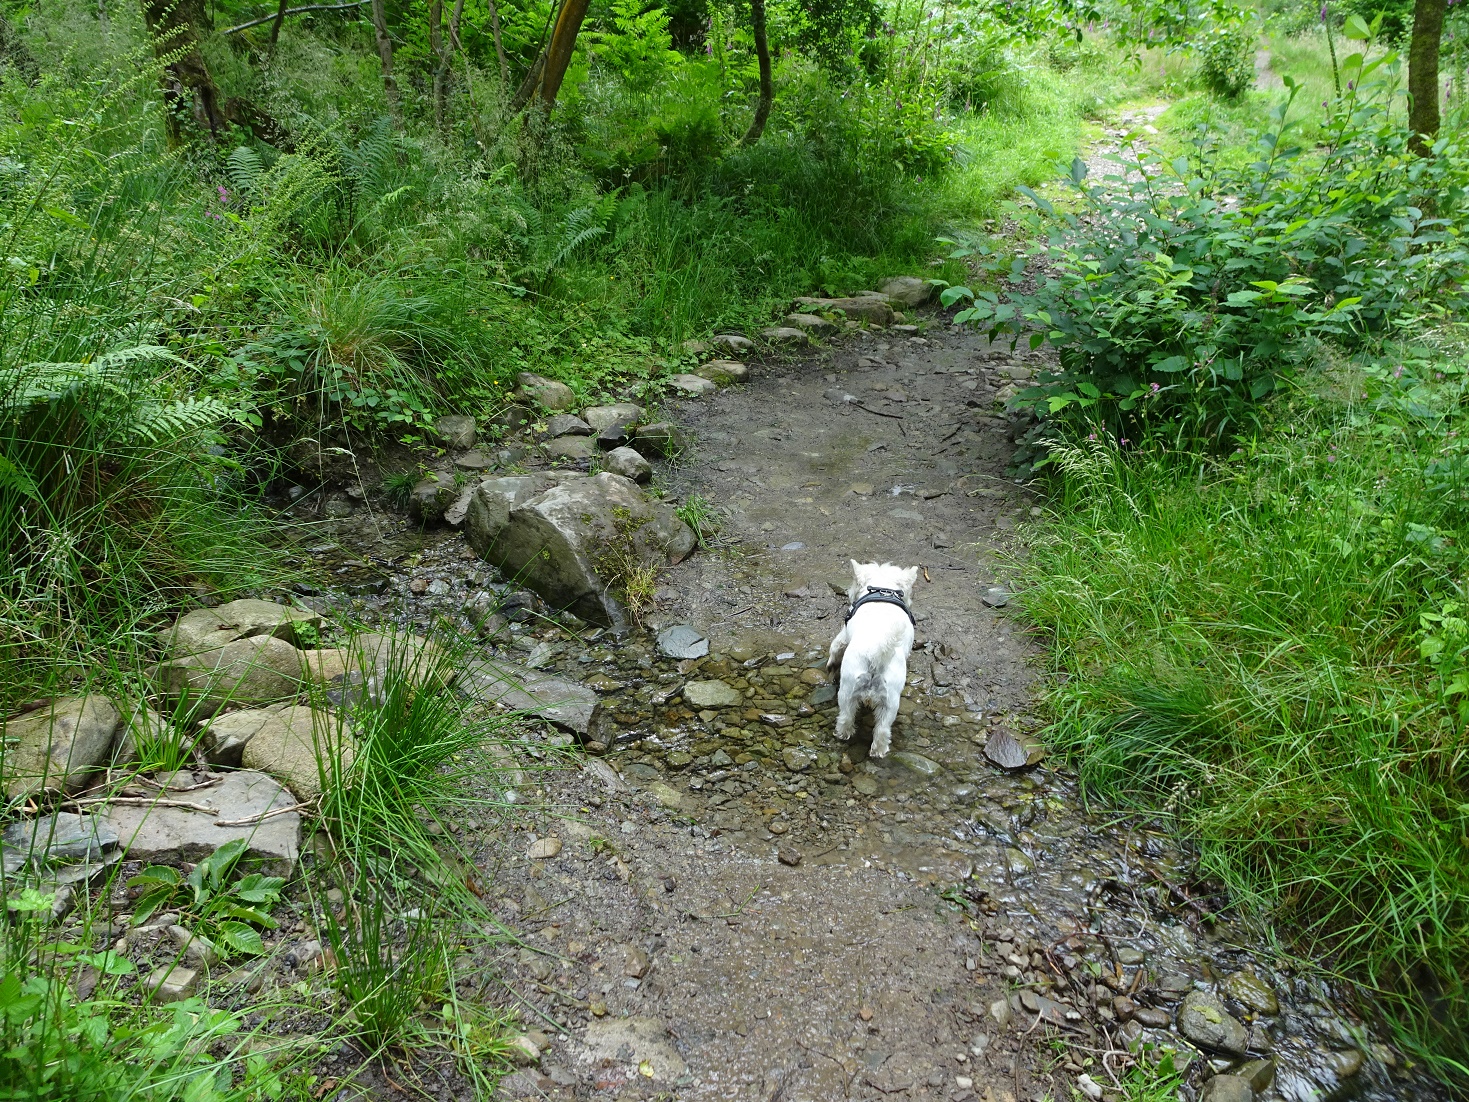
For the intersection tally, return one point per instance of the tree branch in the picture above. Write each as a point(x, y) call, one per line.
point(295, 11)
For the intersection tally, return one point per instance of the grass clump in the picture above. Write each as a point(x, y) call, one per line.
point(1268, 647)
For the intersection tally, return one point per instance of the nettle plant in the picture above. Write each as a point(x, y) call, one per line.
point(1186, 291)
point(228, 913)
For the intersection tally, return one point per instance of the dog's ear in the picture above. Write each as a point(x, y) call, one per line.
point(857, 571)
point(910, 579)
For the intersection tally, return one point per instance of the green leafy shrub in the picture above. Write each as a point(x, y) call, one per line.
point(1187, 291)
point(1227, 58)
point(227, 914)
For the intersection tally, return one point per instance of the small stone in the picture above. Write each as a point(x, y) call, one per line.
point(924, 767)
point(1124, 1008)
point(798, 759)
point(788, 857)
point(567, 424)
point(732, 342)
point(1204, 1021)
point(544, 849)
point(418, 586)
point(724, 372)
point(942, 539)
point(1152, 1017)
point(661, 438)
point(907, 290)
point(1089, 1087)
point(785, 334)
point(1227, 1088)
point(1347, 1063)
point(682, 642)
point(1129, 956)
point(1252, 992)
point(569, 447)
point(865, 1013)
point(996, 596)
point(171, 983)
point(474, 460)
point(628, 463)
point(1258, 1073)
point(1012, 752)
point(1000, 1012)
point(619, 413)
point(598, 1008)
point(963, 1082)
point(778, 827)
point(637, 963)
point(457, 430)
point(864, 784)
point(547, 392)
point(812, 323)
point(712, 694)
point(199, 951)
point(524, 1051)
point(614, 436)
point(692, 385)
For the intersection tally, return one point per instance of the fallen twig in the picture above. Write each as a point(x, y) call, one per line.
point(251, 820)
point(141, 801)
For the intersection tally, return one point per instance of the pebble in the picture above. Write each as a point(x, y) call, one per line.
point(1152, 1017)
point(778, 827)
point(1089, 1087)
point(1251, 992)
point(788, 857)
point(544, 849)
point(996, 596)
point(637, 964)
point(1204, 1021)
point(1226, 1088)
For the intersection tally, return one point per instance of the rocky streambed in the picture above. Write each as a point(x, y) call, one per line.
point(721, 901)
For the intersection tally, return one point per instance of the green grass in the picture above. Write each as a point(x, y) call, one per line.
point(1240, 647)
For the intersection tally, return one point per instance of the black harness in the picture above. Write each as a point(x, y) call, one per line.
point(876, 595)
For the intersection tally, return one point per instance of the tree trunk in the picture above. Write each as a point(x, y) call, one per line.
point(499, 46)
point(385, 55)
point(188, 88)
point(1423, 73)
point(275, 27)
point(767, 86)
point(444, 52)
point(558, 53)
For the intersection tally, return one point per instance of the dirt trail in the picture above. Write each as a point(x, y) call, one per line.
point(743, 908)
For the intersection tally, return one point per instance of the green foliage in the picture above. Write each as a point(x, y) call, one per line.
point(638, 48)
point(1188, 291)
point(699, 514)
point(1268, 648)
point(226, 915)
point(1227, 57)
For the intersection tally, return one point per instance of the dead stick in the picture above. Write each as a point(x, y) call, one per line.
point(251, 820)
point(142, 801)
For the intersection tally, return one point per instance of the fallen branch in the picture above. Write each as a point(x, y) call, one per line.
point(141, 801)
point(252, 820)
point(296, 11)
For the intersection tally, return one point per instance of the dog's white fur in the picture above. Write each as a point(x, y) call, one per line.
point(872, 653)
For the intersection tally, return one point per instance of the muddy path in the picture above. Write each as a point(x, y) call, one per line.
point(717, 900)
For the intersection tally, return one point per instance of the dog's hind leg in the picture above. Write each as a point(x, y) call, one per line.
point(884, 712)
point(837, 652)
point(847, 710)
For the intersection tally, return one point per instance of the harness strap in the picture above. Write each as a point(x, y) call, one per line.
point(877, 595)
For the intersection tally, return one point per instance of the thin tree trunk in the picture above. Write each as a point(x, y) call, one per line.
point(385, 55)
point(436, 44)
point(1423, 74)
point(499, 46)
point(275, 28)
point(528, 85)
point(767, 85)
point(188, 87)
point(558, 53)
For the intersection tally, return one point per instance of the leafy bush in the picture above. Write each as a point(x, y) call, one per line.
point(1227, 58)
point(226, 914)
point(1189, 290)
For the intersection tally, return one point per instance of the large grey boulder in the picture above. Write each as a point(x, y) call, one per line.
point(224, 737)
point(1205, 1022)
point(555, 541)
point(568, 705)
point(489, 508)
point(56, 747)
point(259, 670)
point(907, 290)
point(546, 392)
point(627, 463)
point(301, 748)
point(152, 833)
point(57, 839)
point(207, 629)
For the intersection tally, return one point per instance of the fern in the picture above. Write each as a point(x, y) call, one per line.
point(245, 169)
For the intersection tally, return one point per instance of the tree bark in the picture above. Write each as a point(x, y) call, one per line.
point(1423, 74)
point(444, 53)
point(188, 87)
point(558, 53)
point(499, 46)
point(275, 27)
point(385, 55)
point(767, 85)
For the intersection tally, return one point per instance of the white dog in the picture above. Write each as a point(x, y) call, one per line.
point(872, 649)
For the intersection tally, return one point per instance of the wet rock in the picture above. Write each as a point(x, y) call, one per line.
point(907, 290)
point(56, 747)
point(57, 839)
point(996, 596)
point(823, 694)
point(724, 372)
point(641, 1043)
point(924, 767)
point(544, 849)
point(865, 784)
point(1129, 956)
point(169, 835)
point(457, 430)
point(712, 694)
point(1152, 1017)
point(628, 463)
point(660, 439)
point(545, 392)
point(570, 706)
point(171, 983)
point(1346, 1064)
point(431, 497)
point(785, 334)
point(732, 342)
point(255, 670)
point(1124, 1008)
point(693, 386)
point(553, 541)
point(569, 447)
point(305, 748)
point(1226, 1088)
point(567, 424)
point(1010, 751)
point(797, 758)
point(207, 629)
point(870, 308)
point(1204, 1021)
point(682, 642)
point(788, 857)
point(1258, 1073)
point(1250, 991)
point(811, 323)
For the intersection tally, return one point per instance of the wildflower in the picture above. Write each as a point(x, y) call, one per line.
point(224, 194)
point(1155, 387)
point(1398, 372)
point(1092, 436)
